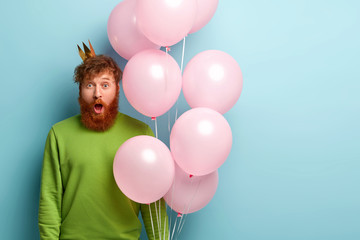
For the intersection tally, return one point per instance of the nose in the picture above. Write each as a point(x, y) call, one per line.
point(97, 93)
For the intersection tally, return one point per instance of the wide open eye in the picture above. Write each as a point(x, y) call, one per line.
point(106, 85)
point(89, 85)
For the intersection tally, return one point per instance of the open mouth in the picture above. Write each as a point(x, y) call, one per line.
point(98, 108)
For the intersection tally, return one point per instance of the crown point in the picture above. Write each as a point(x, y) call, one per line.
point(88, 52)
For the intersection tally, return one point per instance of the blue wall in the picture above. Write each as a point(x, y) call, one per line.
point(294, 169)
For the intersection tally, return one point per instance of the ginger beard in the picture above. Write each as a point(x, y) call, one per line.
point(99, 121)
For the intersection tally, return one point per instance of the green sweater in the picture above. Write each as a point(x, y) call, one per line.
point(79, 198)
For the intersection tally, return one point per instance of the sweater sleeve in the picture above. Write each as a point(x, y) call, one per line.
point(51, 191)
point(156, 221)
point(149, 131)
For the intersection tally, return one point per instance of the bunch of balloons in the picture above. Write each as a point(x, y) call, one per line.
point(137, 25)
point(145, 169)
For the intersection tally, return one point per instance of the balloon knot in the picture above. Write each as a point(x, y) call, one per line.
point(191, 175)
point(153, 118)
point(179, 215)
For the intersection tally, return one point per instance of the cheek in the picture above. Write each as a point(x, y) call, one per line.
point(86, 95)
point(110, 96)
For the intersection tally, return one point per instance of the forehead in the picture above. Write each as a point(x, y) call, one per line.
point(104, 76)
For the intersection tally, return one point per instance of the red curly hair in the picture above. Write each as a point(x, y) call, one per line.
point(93, 66)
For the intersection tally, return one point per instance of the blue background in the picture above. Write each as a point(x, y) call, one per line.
point(294, 169)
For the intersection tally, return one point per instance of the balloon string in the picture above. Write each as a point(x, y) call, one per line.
point(172, 196)
point(182, 56)
point(160, 218)
point(167, 68)
point(182, 225)
point(156, 128)
point(152, 224)
point(169, 129)
point(171, 203)
point(166, 222)
point(181, 70)
point(189, 205)
point(185, 209)
point(157, 219)
point(181, 218)
point(164, 226)
point(172, 235)
point(170, 224)
point(176, 110)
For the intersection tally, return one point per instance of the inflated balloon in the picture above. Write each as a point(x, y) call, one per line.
point(190, 194)
point(212, 79)
point(165, 22)
point(144, 169)
point(200, 141)
point(123, 33)
point(205, 11)
point(152, 82)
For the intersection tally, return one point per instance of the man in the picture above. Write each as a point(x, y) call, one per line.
point(79, 197)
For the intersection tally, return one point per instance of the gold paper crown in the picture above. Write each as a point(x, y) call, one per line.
point(89, 53)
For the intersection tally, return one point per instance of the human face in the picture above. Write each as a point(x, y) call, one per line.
point(101, 87)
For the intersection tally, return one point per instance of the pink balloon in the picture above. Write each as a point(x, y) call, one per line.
point(152, 82)
point(212, 79)
point(165, 22)
point(206, 10)
point(144, 169)
point(200, 141)
point(188, 195)
point(123, 33)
